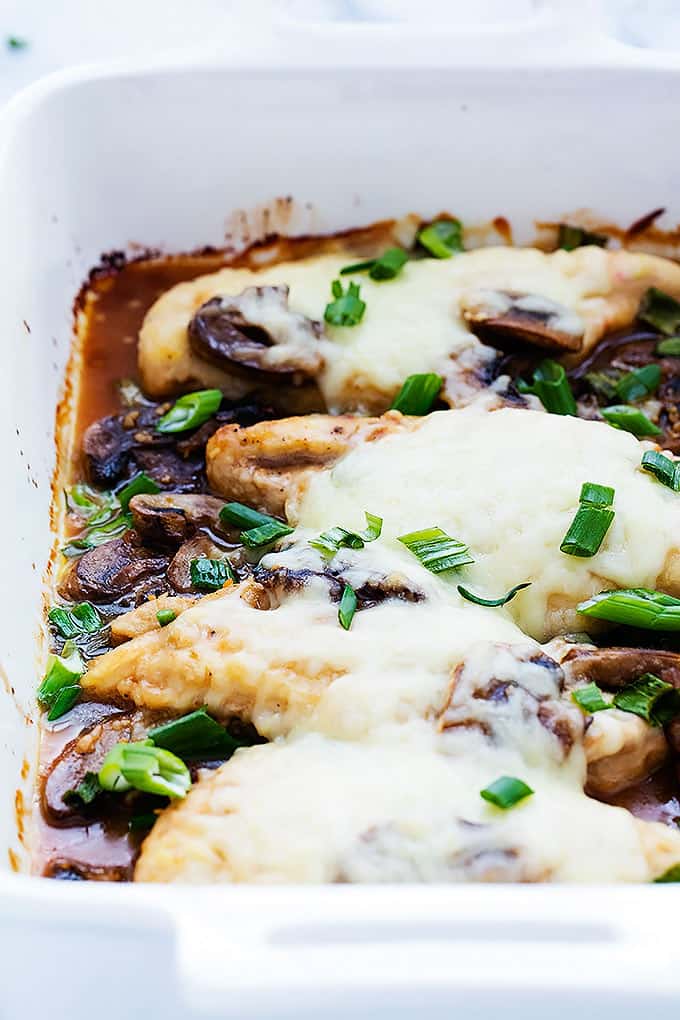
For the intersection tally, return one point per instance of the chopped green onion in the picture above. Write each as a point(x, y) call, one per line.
point(502, 601)
point(143, 821)
point(630, 420)
point(443, 238)
point(196, 735)
point(190, 411)
point(587, 531)
point(165, 616)
point(265, 534)
point(88, 502)
point(569, 237)
point(211, 575)
point(635, 607)
point(638, 384)
point(257, 529)
point(141, 766)
point(672, 875)
point(98, 535)
point(417, 394)
point(597, 495)
point(670, 347)
point(331, 541)
point(660, 310)
point(667, 471)
point(60, 688)
point(506, 791)
point(15, 42)
point(80, 619)
point(348, 607)
point(243, 517)
point(649, 698)
point(347, 309)
point(436, 550)
point(85, 792)
point(386, 267)
point(602, 383)
point(141, 483)
point(589, 699)
point(551, 386)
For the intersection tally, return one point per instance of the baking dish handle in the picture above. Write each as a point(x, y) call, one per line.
point(327, 951)
point(558, 33)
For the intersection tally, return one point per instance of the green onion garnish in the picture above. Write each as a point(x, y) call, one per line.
point(589, 698)
point(638, 384)
point(603, 383)
point(348, 607)
point(597, 495)
point(165, 616)
point(672, 875)
point(669, 347)
point(551, 386)
point(630, 420)
point(80, 619)
point(569, 237)
point(386, 267)
point(141, 483)
point(443, 238)
point(99, 535)
point(85, 792)
point(256, 529)
point(142, 822)
point(660, 310)
point(502, 601)
point(667, 471)
point(635, 607)
point(196, 735)
point(417, 394)
point(15, 42)
point(331, 541)
point(60, 688)
point(141, 766)
point(211, 575)
point(592, 521)
point(436, 550)
point(506, 791)
point(347, 309)
point(190, 411)
point(651, 698)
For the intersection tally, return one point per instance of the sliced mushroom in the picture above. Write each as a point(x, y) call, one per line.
point(169, 518)
point(498, 685)
point(81, 755)
point(256, 332)
point(199, 547)
point(616, 667)
point(144, 618)
point(112, 570)
point(269, 462)
point(529, 318)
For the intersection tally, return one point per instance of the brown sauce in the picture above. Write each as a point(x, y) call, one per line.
point(112, 306)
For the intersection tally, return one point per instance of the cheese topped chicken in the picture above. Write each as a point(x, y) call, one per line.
point(505, 482)
point(363, 554)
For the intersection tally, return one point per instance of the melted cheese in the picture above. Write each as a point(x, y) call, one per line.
point(403, 805)
point(507, 483)
point(411, 324)
point(380, 757)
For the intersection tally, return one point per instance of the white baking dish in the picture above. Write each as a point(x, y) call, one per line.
point(361, 124)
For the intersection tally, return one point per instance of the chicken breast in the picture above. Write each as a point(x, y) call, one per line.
point(420, 322)
point(403, 806)
point(498, 482)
